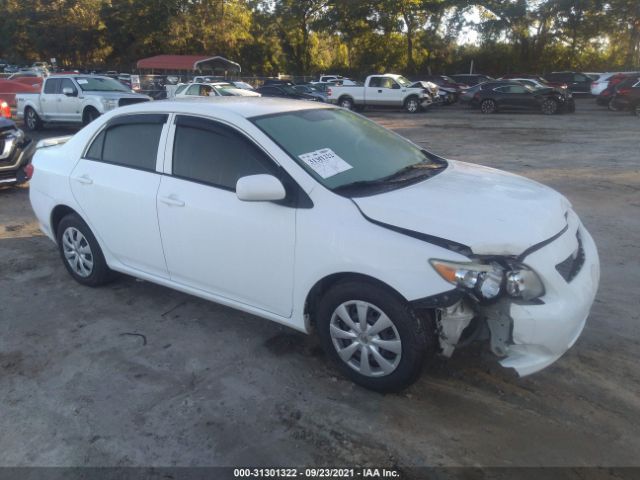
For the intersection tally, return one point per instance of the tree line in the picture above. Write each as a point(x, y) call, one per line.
point(352, 37)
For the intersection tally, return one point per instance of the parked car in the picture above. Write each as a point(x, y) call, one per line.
point(444, 96)
point(516, 96)
point(627, 96)
point(577, 82)
point(15, 154)
point(216, 89)
point(243, 85)
point(328, 78)
point(448, 85)
point(26, 74)
point(471, 79)
point(11, 69)
point(605, 96)
point(284, 91)
point(602, 82)
point(311, 90)
point(532, 82)
point(73, 99)
point(468, 95)
point(388, 90)
point(538, 78)
point(10, 88)
point(282, 209)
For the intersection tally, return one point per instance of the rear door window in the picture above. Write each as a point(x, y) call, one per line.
point(129, 141)
point(52, 86)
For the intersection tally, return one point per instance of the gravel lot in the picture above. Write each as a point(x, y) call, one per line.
point(137, 374)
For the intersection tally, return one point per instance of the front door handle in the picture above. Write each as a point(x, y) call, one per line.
point(172, 201)
point(379, 91)
point(84, 179)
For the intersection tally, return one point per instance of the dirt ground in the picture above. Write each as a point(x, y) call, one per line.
point(137, 374)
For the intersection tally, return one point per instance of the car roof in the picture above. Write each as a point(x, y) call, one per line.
point(246, 107)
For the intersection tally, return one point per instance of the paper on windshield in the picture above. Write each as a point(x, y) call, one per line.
point(82, 81)
point(325, 162)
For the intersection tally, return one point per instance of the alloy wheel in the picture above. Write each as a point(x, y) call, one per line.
point(365, 338)
point(31, 119)
point(346, 103)
point(549, 107)
point(412, 106)
point(77, 252)
point(488, 106)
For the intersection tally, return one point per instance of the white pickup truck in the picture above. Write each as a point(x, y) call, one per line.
point(386, 90)
point(73, 99)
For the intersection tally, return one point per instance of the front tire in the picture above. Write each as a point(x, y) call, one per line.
point(89, 115)
point(412, 105)
point(32, 120)
point(374, 337)
point(80, 252)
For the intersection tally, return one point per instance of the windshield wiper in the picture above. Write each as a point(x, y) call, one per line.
point(424, 169)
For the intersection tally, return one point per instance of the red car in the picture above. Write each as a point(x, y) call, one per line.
point(604, 98)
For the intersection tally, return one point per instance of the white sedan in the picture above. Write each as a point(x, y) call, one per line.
point(217, 89)
point(316, 218)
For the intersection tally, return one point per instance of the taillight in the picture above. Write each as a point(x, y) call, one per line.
point(28, 171)
point(5, 111)
point(624, 91)
point(329, 92)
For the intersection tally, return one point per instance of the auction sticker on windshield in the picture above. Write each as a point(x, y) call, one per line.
point(325, 162)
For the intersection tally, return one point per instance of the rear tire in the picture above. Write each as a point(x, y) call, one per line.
point(488, 106)
point(636, 110)
point(346, 102)
point(386, 356)
point(31, 120)
point(81, 253)
point(612, 106)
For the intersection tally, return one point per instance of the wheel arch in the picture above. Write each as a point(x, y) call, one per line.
point(324, 284)
point(346, 95)
point(57, 214)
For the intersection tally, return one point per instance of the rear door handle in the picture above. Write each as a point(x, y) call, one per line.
point(172, 201)
point(84, 179)
point(379, 91)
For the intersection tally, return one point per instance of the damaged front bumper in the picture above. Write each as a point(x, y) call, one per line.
point(529, 336)
point(542, 333)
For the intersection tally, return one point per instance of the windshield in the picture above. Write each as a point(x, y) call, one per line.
point(100, 84)
point(403, 81)
point(340, 148)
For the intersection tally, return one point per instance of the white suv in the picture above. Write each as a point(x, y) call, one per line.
point(316, 218)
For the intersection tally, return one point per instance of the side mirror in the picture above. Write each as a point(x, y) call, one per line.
point(260, 188)
point(69, 92)
point(396, 86)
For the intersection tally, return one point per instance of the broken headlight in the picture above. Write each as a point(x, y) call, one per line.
point(486, 281)
point(524, 283)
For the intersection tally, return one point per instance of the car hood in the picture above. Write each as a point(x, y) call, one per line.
point(490, 211)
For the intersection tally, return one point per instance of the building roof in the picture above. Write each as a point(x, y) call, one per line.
point(188, 62)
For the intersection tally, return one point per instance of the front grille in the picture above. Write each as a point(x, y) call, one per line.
point(130, 101)
point(570, 267)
